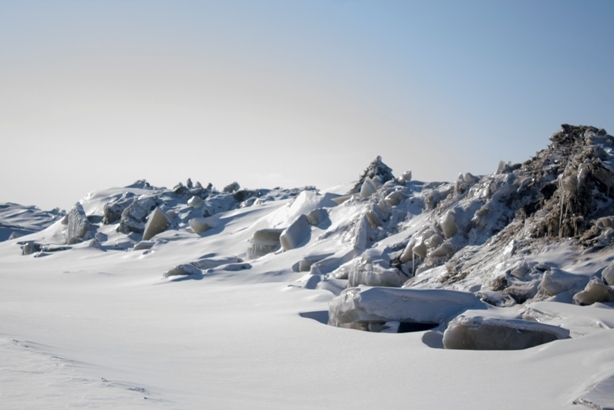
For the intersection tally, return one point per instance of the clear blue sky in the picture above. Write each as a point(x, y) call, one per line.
point(95, 94)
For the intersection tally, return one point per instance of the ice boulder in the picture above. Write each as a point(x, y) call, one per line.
point(395, 198)
point(297, 234)
point(608, 274)
point(112, 211)
point(310, 281)
point(15, 235)
point(469, 178)
point(418, 245)
point(376, 170)
point(195, 202)
point(134, 216)
point(305, 264)
point(408, 252)
point(78, 227)
point(595, 291)
point(158, 222)
point(419, 249)
point(556, 281)
point(264, 241)
point(361, 237)
point(448, 224)
point(405, 178)
point(200, 225)
point(182, 270)
point(210, 263)
point(433, 241)
point(403, 305)
point(341, 199)
point(479, 333)
point(233, 187)
point(30, 247)
point(374, 275)
point(367, 188)
point(317, 216)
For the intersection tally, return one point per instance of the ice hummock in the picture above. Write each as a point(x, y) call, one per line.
point(518, 247)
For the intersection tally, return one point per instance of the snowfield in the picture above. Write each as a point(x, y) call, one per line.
point(492, 291)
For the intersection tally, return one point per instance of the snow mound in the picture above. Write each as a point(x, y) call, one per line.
point(599, 396)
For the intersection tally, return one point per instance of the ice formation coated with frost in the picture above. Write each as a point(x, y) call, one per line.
point(511, 260)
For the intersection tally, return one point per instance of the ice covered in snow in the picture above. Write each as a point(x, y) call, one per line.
point(599, 396)
point(317, 216)
point(508, 260)
point(18, 220)
point(403, 305)
point(78, 227)
point(182, 270)
point(200, 225)
point(195, 202)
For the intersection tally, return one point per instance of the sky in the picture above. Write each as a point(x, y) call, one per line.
point(97, 94)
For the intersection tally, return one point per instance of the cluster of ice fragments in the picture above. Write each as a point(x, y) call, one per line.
point(399, 253)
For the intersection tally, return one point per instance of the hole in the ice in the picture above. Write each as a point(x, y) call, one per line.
point(374, 325)
point(320, 315)
point(406, 327)
point(389, 327)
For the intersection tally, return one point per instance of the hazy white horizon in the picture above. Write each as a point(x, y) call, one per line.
point(99, 94)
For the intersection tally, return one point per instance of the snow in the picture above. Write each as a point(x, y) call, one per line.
point(19, 220)
point(229, 318)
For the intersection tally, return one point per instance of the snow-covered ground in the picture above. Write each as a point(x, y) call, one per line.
point(259, 298)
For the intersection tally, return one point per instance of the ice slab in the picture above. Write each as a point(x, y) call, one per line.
point(403, 305)
point(296, 234)
point(158, 222)
point(78, 225)
point(263, 241)
point(182, 270)
point(479, 333)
